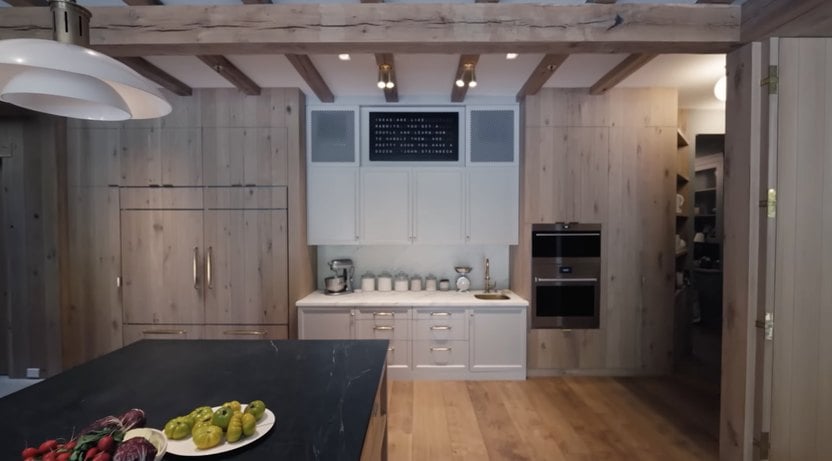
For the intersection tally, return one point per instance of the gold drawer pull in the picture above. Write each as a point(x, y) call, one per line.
point(164, 332)
point(382, 314)
point(440, 314)
point(244, 332)
point(440, 349)
point(440, 327)
point(382, 328)
point(391, 349)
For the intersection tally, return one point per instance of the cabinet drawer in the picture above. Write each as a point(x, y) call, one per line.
point(383, 313)
point(439, 313)
point(440, 354)
point(440, 328)
point(136, 332)
point(246, 332)
point(388, 329)
point(398, 354)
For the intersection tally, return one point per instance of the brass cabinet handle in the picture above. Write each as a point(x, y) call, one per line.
point(383, 314)
point(391, 349)
point(440, 349)
point(208, 268)
point(440, 314)
point(382, 328)
point(245, 332)
point(164, 332)
point(440, 327)
point(196, 261)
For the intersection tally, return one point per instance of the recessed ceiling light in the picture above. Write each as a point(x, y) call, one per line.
point(511, 55)
point(344, 56)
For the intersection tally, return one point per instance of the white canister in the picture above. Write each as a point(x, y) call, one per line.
point(400, 283)
point(415, 283)
point(368, 282)
point(444, 285)
point(430, 283)
point(385, 282)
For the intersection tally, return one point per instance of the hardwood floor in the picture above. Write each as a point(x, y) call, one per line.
point(571, 418)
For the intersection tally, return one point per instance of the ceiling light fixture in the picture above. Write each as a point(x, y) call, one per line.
point(62, 77)
point(511, 56)
point(344, 56)
point(721, 89)
point(385, 78)
point(468, 77)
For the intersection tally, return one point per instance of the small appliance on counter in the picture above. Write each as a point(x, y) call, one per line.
point(341, 283)
point(463, 283)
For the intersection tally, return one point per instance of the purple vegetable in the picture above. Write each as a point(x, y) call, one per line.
point(132, 419)
point(136, 449)
point(105, 424)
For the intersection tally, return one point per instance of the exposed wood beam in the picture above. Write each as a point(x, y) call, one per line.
point(458, 92)
point(623, 70)
point(372, 1)
point(605, 2)
point(28, 2)
point(160, 77)
point(547, 66)
point(311, 76)
point(257, 2)
point(486, 1)
point(230, 72)
point(397, 28)
point(390, 94)
point(762, 18)
point(722, 2)
point(142, 2)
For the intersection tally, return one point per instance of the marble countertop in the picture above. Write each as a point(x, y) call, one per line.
point(409, 298)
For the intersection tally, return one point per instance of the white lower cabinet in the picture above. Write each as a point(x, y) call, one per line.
point(431, 342)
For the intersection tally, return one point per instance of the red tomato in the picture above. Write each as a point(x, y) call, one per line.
point(106, 444)
point(64, 456)
point(47, 446)
point(102, 457)
point(91, 453)
point(30, 452)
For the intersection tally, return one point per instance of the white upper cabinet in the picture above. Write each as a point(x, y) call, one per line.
point(332, 135)
point(438, 206)
point(332, 202)
point(493, 202)
point(385, 206)
point(492, 135)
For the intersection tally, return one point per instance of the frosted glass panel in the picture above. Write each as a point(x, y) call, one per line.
point(333, 136)
point(492, 136)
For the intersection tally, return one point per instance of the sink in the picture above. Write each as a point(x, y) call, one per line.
point(491, 296)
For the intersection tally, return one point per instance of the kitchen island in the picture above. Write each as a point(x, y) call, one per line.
point(328, 397)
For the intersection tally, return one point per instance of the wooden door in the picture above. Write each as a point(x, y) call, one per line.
point(246, 276)
point(801, 392)
point(162, 254)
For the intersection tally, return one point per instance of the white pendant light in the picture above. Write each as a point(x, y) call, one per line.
point(65, 79)
point(721, 89)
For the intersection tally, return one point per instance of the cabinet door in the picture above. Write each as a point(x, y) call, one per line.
point(325, 323)
point(498, 339)
point(438, 210)
point(244, 156)
point(332, 206)
point(332, 135)
point(385, 206)
point(246, 277)
point(492, 205)
point(161, 255)
point(154, 156)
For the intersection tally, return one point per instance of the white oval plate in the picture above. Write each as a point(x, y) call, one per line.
point(186, 447)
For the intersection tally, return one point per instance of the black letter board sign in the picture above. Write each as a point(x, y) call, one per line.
point(414, 136)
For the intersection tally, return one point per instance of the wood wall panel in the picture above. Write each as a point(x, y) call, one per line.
point(609, 159)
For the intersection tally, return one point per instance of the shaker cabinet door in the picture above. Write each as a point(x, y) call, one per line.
point(491, 348)
point(492, 205)
point(246, 267)
point(332, 204)
point(161, 261)
point(325, 323)
point(438, 206)
point(385, 206)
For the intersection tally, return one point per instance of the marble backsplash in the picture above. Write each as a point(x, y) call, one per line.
point(422, 260)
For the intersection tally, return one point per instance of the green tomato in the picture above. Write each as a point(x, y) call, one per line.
point(234, 405)
point(207, 436)
point(249, 424)
point(177, 428)
point(256, 408)
point(235, 428)
point(221, 417)
point(202, 414)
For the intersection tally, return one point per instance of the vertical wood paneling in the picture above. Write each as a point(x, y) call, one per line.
point(824, 423)
point(609, 159)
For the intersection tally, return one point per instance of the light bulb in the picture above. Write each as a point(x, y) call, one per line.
point(472, 84)
point(380, 84)
point(460, 83)
point(344, 56)
point(511, 55)
point(390, 85)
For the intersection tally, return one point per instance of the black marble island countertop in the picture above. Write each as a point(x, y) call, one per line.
point(321, 392)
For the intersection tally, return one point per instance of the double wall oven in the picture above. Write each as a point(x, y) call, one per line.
point(566, 275)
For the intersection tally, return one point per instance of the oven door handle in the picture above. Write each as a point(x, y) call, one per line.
point(565, 280)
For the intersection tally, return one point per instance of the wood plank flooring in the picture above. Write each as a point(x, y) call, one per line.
point(569, 418)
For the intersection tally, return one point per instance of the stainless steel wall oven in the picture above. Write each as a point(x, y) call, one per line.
point(566, 275)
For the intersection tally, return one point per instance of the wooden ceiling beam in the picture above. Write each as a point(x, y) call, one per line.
point(620, 72)
point(230, 72)
point(28, 2)
point(257, 2)
point(605, 2)
point(714, 2)
point(458, 92)
point(160, 77)
point(143, 2)
point(390, 94)
point(762, 18)
point(541, 74)
point(311, 76)
point(397, 28)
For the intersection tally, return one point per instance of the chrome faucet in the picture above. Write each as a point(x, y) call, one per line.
point(489, 285)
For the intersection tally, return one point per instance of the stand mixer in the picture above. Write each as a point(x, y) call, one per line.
point(341, 283)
